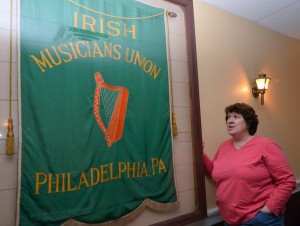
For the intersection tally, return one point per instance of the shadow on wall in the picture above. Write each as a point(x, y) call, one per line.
point(292, 216)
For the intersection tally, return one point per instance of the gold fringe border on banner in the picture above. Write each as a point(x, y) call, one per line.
point(129, 217)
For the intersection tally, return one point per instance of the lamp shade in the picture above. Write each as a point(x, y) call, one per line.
point(262, 82)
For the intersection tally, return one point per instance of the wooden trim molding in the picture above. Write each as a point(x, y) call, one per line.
point(200, 210)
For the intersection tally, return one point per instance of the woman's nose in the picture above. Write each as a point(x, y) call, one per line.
point(230, 120)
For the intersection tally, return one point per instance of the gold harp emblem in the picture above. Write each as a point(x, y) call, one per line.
point(110, 105)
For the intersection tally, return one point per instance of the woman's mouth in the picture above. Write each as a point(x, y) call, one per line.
point(230, 127)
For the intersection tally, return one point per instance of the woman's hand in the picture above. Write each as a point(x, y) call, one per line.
point(266, 209)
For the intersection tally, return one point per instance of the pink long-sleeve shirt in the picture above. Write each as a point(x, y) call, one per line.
point(257, 174)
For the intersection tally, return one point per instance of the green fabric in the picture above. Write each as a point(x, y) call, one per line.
point(68, 170)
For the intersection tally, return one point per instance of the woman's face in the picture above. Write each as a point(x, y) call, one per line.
point(236, 124)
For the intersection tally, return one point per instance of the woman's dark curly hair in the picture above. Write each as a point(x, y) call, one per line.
point(248, 114)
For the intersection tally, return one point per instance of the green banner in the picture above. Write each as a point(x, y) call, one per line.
point(96, 135)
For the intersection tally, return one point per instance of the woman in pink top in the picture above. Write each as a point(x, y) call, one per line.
point(253, 178)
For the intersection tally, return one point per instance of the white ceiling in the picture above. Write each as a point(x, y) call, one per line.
point(282, 16)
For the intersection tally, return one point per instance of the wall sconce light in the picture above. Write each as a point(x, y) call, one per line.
point(262, 84)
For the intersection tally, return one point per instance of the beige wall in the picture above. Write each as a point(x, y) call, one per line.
point(231, 52)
